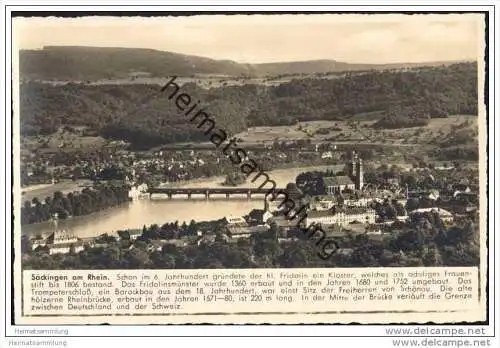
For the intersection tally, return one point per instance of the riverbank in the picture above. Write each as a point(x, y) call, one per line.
point(136, 214)
point(218, 180)
point(47, 190)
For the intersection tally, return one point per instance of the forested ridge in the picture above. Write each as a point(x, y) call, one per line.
point(97, 63)
point(143, 116)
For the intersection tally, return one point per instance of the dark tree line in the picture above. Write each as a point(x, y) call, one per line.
point(424, 241)
point(89, 200)
point(403, 117)
point(145, 117)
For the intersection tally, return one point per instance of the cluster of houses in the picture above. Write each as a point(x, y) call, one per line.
point(344, 207)
point(59, 242)
point(336, 222)
point(47, 165)
point(341, 216)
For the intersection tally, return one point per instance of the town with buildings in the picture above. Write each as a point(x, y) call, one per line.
point(381, 159)
point(341, 203)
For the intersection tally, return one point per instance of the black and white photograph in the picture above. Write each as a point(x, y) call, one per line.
point(181, 172)
point(261, 141)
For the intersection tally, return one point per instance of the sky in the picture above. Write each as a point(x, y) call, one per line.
point(391, 38)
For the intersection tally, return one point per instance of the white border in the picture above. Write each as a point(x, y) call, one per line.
point(303, 330)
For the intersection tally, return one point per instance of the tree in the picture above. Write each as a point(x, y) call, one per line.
point(412, 204)
point(432, 256)
point(400, 210)
point(274, 230)
point(293, 257)
point(137, 258)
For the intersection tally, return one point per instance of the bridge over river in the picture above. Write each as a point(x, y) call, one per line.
point(210, 191)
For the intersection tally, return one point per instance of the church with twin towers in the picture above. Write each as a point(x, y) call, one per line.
point(352, 180)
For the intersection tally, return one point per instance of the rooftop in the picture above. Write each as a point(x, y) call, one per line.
point(245, 230)
point(65, 245)
point(324, 198)
point(283, 221)
point(337, 180)
point(440, 211)
point(345, 210)
point(235, 220)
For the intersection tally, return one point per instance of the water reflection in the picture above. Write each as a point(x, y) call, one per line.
point(146, 212)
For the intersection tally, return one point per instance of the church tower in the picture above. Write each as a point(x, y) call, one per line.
point(359, 174)
point(353, 171)
point(60, 236)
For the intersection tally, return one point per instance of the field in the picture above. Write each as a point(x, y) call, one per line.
point(210, 81)
point(42, 191)
point(358, 131)
point(344, 132)
point(63, 141)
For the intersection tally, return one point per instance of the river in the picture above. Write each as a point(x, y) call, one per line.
point(159, 211)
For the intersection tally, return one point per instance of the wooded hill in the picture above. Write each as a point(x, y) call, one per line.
point(78, 63)
point(144, 116)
